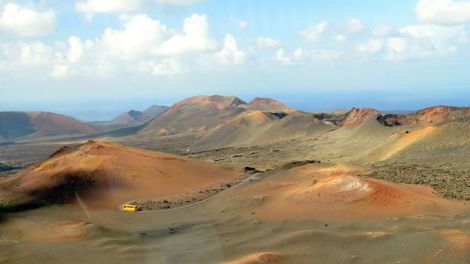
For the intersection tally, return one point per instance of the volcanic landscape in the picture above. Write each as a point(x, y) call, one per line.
point(220, 180)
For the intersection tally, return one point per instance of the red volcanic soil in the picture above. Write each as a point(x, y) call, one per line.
point(437, 114)
point(356, 116)
point(106, 174)
point(335, 193)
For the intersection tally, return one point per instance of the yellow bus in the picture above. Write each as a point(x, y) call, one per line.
point(130, 208)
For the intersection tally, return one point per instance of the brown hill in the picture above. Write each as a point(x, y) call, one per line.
point(356, 116)
point(131, 117)
point(335, 193)
point(195, 114)
point(106, 174)
point(202, 113)
point(40, 124)
point(256, 128)
point(268, 105)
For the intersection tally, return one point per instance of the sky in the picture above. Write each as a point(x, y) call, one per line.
point(94, 59)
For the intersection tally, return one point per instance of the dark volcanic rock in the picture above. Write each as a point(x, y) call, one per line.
point(389, 120)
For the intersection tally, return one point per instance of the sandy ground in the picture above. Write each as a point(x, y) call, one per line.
point(351, 208)
point(278, 217)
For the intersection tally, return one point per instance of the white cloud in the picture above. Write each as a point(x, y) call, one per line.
point(282, 57)
point(60, 71)
point(178, 2)
point(396, 48)
point(140, 34)
point(34, 54)
point(440, 40)
point(314, 33)
point(355, 26)
point(307, 56)
point(436, 33)
point(267, 43)
point(195, 38)
point(230, 54)
point(339, 38)
point(242, 24)
point(76, 49)
point(382, 30)
point(370, 47)
point(443, 11)
point(168, 66)
point(298, 54)
point(91, 7)
point(26, 21)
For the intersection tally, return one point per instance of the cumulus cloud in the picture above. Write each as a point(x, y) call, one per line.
point(314, 32)
point(370, 47)
point(26, 21)
point(139, 35)
point(339, 38)
point(382, 30)
point(29, 59)
point(230, 54)
point(34, 54)
point(91, 7)
point(139, 45)
point(60, 71)
point(307, 56)
point(282, 57)
point(195, 38)
point(355, 26)
point(267, 43)
point(178, 2)
point(435, 39)
point(443, 11)
point(167, 66)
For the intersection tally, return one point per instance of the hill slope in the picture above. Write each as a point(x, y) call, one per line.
point(106, 174)
point(40, 124)
point(256, 128)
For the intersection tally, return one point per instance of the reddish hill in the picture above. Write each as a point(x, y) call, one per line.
point(356, 116)
point(202, 113)
point(335, 193)
point(437, 114)
point(106, 174)
point(428, 116)
point(195, 114)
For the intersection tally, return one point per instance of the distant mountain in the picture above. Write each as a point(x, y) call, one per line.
point(155, 110)
point(202, 113)
point(40, 124)
point(130, 118)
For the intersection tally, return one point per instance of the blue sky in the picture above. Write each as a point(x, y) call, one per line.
point(96, 58)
